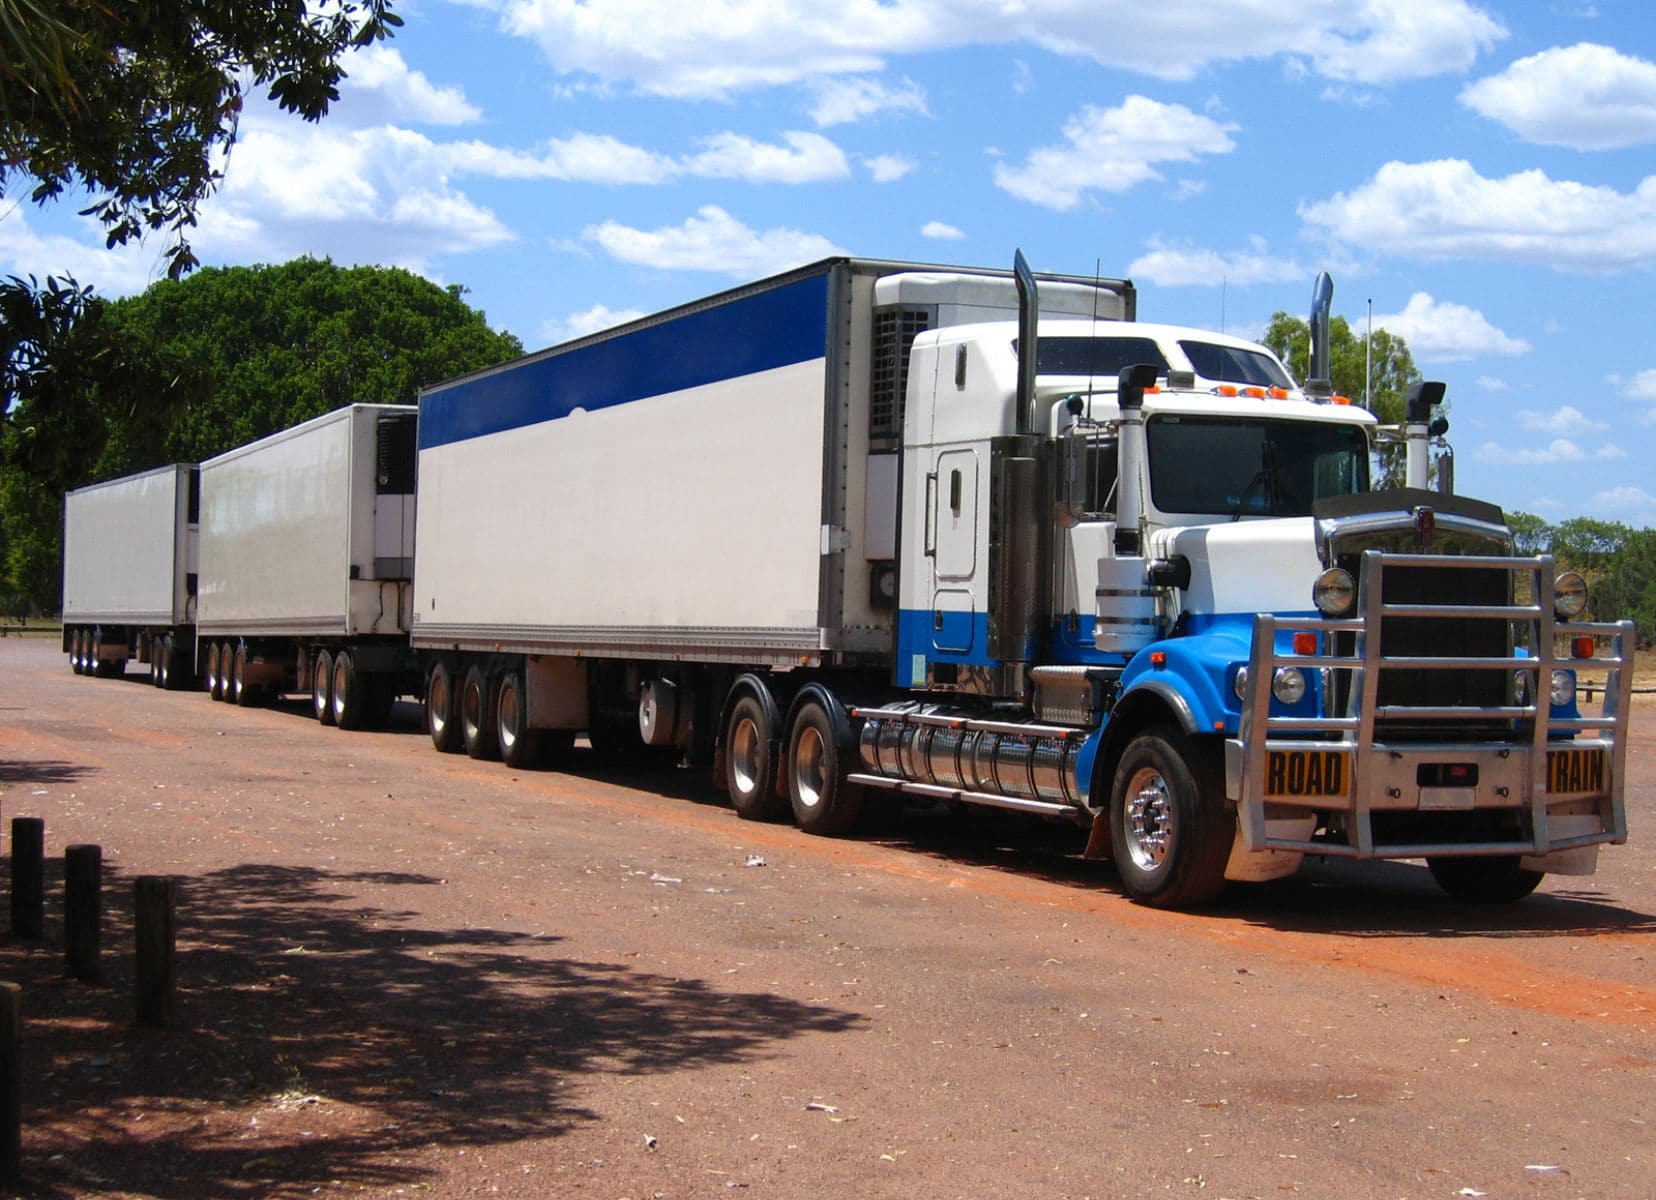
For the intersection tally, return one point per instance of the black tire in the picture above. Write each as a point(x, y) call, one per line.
point(77, 651)
point(175, 673)
point(442, 708)
point(1169, 827)
point(350, 693)
point(823, 802)
point(240, 694)
point(155, 647)
point(750, 745)
point(519, 745)
point(105, 668)
point(322, 688)
point(1498, 880)
point(477, 714)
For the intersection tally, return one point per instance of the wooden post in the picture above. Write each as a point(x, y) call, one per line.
point(11, 1085)
point(28, 901)
point(154, 900)
point(82, 911)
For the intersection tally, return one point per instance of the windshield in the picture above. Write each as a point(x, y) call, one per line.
point(1243, 466)
point(1103, 357)
point(1231, 364)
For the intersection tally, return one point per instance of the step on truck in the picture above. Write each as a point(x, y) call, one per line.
point(129, 575)
point(307, 550)
point(877, 530)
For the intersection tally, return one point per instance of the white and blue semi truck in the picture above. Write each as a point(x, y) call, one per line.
point(873, 529)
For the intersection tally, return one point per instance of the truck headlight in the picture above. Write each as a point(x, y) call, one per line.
point(1240, 683)
point(1334, 593)
point(1569, 595)
point(1288, 685)
point(1563, 688)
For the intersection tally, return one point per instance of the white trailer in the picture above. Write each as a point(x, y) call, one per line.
point(307, 546)
point(129, 574)
point(713, 485)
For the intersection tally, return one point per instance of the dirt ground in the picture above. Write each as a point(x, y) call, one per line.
point(402, 973)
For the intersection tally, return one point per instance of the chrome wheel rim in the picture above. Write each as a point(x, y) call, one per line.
point(437, 702)
point(341, 687)
point(471, 711)
point(508, 718)
point(808, 767)
point(744, 756)
point(1149, 826)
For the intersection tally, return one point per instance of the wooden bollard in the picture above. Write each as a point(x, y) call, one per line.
point(28, 900)
point(82, 911)
point(11, 1085)
point(154, 900)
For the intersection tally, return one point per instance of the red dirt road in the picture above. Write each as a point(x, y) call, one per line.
point(403, 973)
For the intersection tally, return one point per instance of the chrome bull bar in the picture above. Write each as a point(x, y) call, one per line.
point(1562, 777)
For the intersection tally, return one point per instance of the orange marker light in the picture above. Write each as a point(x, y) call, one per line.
point(1277, 393)
point(1226, 389)
point(1584, 647)
point(1339, 399)
point(1305, 642)
point(1256, 393)
point(1158, 659)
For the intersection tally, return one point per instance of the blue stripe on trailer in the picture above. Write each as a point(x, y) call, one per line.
point(774, 328)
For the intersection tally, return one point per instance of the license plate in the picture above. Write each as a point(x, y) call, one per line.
point(1573, 771)
point(1323, 773)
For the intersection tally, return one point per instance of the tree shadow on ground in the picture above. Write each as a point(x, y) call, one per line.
point(322, 1040)
point(40, 771)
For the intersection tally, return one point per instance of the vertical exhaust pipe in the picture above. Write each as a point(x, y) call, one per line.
point(1029, 314)
point(1130, 456)
point(1417, 432)
point(1319, 383)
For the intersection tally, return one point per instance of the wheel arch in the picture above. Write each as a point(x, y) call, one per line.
point(1145, 707)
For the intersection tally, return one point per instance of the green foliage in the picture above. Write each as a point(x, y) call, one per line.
point(1618, 563)
point(136, 103)
point(277, 345)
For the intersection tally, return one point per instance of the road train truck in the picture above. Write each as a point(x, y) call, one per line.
point(875, 529)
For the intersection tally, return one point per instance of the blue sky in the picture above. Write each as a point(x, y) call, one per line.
point(1484, 173)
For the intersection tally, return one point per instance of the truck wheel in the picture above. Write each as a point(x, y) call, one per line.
point(823, 802)
point(1498, 879)
point(520, 746)
point(77, 652)
point(322, 687)
point(216, 669)
point(155, 662)
point(236, 691)
point(477, 713)
point(350, 700)
point(105, 668)
point(442, 708)
point(750, 761)
point(1169, 826)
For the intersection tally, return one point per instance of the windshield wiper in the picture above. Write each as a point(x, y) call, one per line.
point(1267, 475)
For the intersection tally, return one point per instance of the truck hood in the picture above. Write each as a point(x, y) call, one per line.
point(1245, 566)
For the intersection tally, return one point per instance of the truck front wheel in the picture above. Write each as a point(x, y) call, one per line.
point(823, 800)
point(1169, 827)
point(1499, 879)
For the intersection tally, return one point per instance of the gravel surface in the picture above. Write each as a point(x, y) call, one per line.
point(402, 973)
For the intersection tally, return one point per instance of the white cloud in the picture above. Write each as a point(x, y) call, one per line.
point(888, 168)
point(1559, 450)
point(378, 88)
point(1113, 150)
point(712, 240)
point(1564, 420)
point(1490, 383)
point(1445, 209)
point(118, 272)
point(715, 49)
point(1628, 499)
point(1168, 265)
point(1641, 387)
point(594, 319)
point(1588, 97)
point(840, 101)
point(941, 231)
point(1438, 331)
point(806, 158)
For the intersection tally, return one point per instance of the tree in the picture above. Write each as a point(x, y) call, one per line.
point(1393, 371)
point(137, 103)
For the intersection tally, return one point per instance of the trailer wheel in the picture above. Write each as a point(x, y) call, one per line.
point(217, 662)
point(520, 746)
point(442, 709)
point(750, 761)
point(1497, 880)
point(477, 713)
point(1169, 827)
point(350, 701)
point(161, 652)
point(105, 668)
point(155, 662)
point(823, 801)
point(77, 653)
